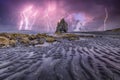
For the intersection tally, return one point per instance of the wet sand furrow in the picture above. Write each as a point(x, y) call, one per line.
point(89, 59)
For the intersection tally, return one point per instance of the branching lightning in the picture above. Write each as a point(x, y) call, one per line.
point(78, 26)
point(82, 21)
point(49, 10)
point(28, 17)
point(46, 17)
point(48, 20)
point(106, 18)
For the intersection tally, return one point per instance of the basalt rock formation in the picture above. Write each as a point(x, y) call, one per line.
point(62, 27)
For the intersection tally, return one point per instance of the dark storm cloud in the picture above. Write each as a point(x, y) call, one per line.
point(93, 7)
point(96, 8)
point(9, 9)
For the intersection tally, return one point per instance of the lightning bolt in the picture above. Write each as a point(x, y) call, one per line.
point(27, 18)
point(106, 18)
point(78, 26)
point(48, 20)
point(34, 19)
point(51, 8)
point(21, 23)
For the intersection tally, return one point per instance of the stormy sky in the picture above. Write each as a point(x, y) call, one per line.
point(93, 10)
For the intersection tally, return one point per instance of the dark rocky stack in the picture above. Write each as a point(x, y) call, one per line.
point(62, 27)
